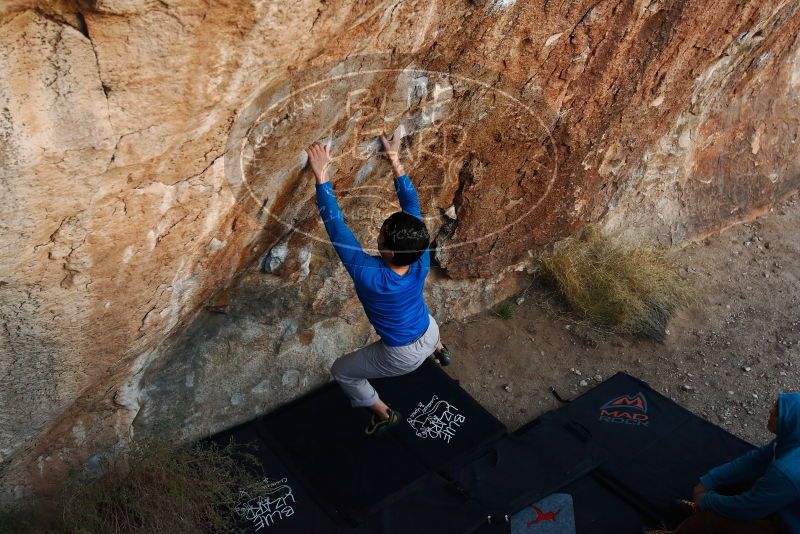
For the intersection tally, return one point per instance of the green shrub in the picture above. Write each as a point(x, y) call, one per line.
point(504, 310)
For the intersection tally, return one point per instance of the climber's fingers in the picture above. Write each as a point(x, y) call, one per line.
point(392, 147)
point(388, 147)
point(318, 149)
point(312, 150)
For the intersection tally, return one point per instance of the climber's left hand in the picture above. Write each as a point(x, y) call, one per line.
point(319, 157)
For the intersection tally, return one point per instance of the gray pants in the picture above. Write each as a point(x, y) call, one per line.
point(377, 360)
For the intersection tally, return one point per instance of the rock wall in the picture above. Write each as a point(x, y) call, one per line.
point(152, 155)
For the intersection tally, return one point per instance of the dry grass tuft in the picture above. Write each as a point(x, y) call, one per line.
point(624, 289)
point(167, 488)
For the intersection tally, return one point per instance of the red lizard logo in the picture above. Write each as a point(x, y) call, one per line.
point(543, 516)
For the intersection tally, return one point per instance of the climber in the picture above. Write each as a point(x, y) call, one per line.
point(767, 480)
point(389, 286)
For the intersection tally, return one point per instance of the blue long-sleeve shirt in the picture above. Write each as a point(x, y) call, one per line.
point(775, 468)
point(394, 303)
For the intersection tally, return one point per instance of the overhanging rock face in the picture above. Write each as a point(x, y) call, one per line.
point(152, 155)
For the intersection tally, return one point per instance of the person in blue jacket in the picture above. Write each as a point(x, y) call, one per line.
point(772, 502)
point(389, 285)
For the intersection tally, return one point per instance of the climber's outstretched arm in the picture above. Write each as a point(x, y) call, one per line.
point(409, 201)
point(355, 260)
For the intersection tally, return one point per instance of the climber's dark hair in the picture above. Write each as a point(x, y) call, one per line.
point(406, 236)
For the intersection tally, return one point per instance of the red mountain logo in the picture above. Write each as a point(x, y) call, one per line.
point(637, 402)
point(626, 410)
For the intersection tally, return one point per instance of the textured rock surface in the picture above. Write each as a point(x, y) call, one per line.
point(152, 153)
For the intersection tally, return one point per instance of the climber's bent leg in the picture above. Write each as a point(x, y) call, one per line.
point(378, 360)
point(352, 370)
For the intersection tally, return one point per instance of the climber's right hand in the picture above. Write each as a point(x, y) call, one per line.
point(391, 148)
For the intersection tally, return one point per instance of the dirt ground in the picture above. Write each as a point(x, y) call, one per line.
point(724, 360)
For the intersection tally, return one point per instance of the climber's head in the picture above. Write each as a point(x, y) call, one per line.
point(402, 239)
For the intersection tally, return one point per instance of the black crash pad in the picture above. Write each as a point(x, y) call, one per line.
point(610, 461)
point(622, 451)
point(670, 468)
point(441, 422)
point(653, 447)
point(524, 467)
point(279, 503)
point(621, 415)
point(436, 506)
point(585, 506)
point(321, 438)
point(600, 510)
